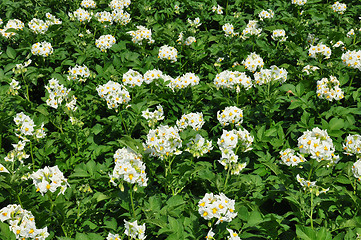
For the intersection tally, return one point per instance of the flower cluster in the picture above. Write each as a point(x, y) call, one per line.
point(119, 4)
point(15, 24)
point(279, 35)
point(217, 206)
point(350, 33)
point(88, 4)
point(229, 30)
point(120, 16)
point(14, 87)
point(112, 236)
point(128, 167)
point(232, 235)
point(232, 79)
point(141, 34)
point(339, 44)
point(104, 16)
point(194, 120)
point(266, 14)
point(289, 158)
point(299, 2)
point(151, 75)
point(134, 231)
point(252, 62)
point(199, 146)
point(22, 223)
point(81, 15)
point(163, 142)
point(49, 179)
point(306, 184)
point(188, 79)
point(57, 93)
point(17, 153)
point(153, 117)
point(228, 142)
point(274, 74)
point(230, 115)
point(105, 42)
point(26, 127)
point(352, 59)
point(52, 20)
point(80, 73)
point(318, 144)
point(356, 169)
point(217, 9)
point(319, 50)
point(352, 145)
point(38, 26)
point(339, 7)
point(22, 68)
point(309, 68)
point(194, 23)
point(132, 78)
point(114, 93)
point(42, 49)
point(168, 53)
point(329, 89)
point(251, 29)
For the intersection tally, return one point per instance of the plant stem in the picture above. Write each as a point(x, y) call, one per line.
point(131, 199)
point(121, 119)
point(32, 156)
point(225, 183)
point(311, 210)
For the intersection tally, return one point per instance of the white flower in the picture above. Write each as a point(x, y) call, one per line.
point(289, 158)
point(114, 93)
point(229, 30)
point(299, 2)
point(194, 120)
point(266, 14)
point(319, 50)
point(230, 115)
point(105, 42)
point(352, 145)
point(252, 62)
point(356, 169)
point(141, 34)
point(329, 89)
point(232, 80)
point(339, 7)
point(279, 35)
point(42, 49)
point(132, 78)
point(168, 53)
point(49, 179)
point(233, 235)
point(133, 230)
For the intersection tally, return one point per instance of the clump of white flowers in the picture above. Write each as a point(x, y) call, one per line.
point(38, 26)
point(251, 29)
point(129, 167)
point(49, 179)
point(105, 42)
point(141, 34)
point(320, 50)
point(217, 206)
point(290, 158)
point(311, 186)
point(134, 231)
point(230, 115)
point(104, 17)
point(132, 78)
point(309, 68)
point(187, 79)
point(232, 235)
point(153, 117)
point(319, 145)
point(17, 153)
point(81, 15)
point(339, 7)
point(15, 24)
point(266, 14)
point(43, 49)
point(229, 141)
point(299, 2)
point(79, 73)
point(194, 120)
point(120, 16)
point(14, 87)
point(350, 33)
point(194, 23)
point(252, 62)
point(352, 59)
point(152, 75)
point(163, 142)
point(168, 53)
point(199, 146)
point(114, 93)
point(329, 89)
point(279, 35)
point(274, 74)
point(338, 44)
point(22, 68)
point(26, 127)
point(22, 223)
point(217, 9)
point(232, 80)
point(52, 20)
point(229, 30)
point(352, 145)
point(356, 169)
point(119, 4)
point(88, 4)
point(57, 93)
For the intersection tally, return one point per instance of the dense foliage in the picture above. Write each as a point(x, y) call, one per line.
point(229, 119)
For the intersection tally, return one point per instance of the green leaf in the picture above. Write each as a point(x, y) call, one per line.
point(81, 236)
point(305, 233)
point(11, 52)
point(336, 123)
